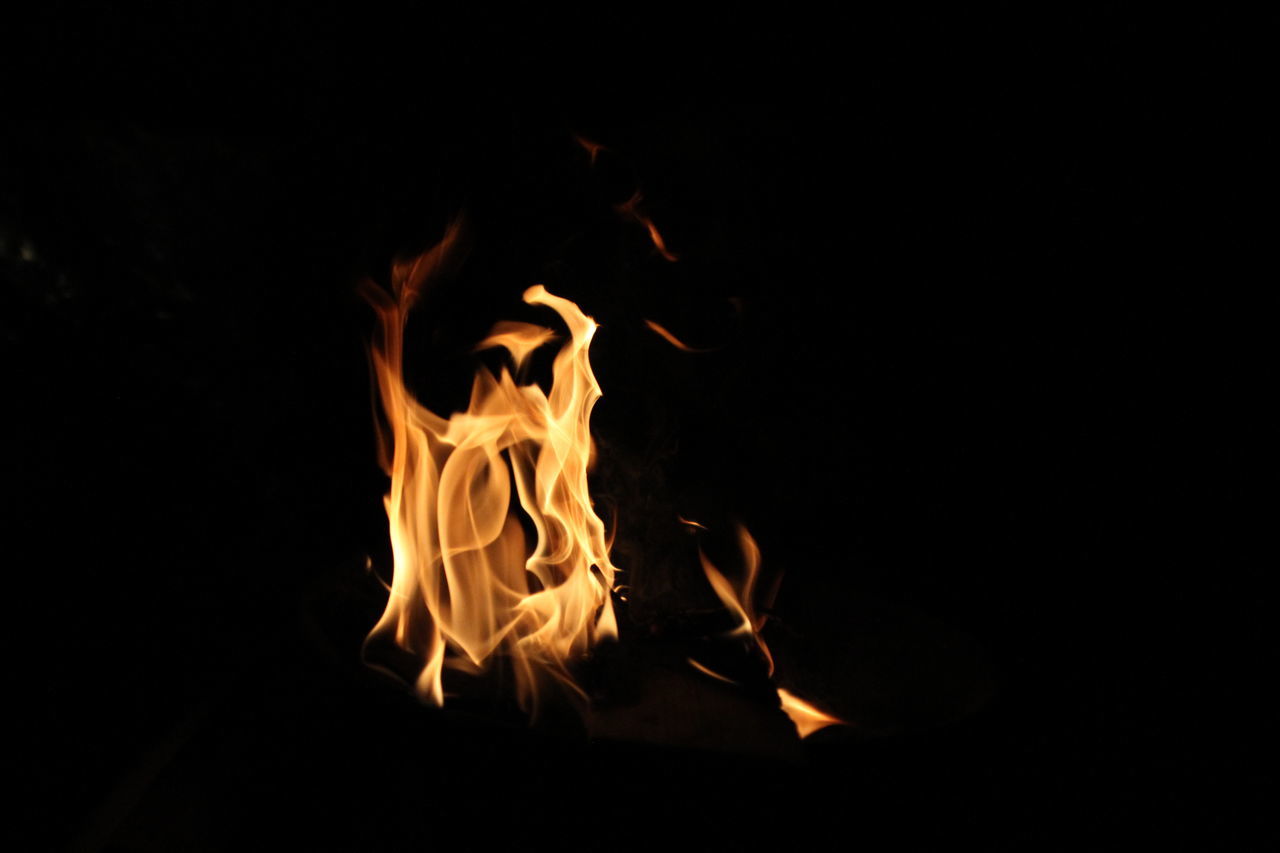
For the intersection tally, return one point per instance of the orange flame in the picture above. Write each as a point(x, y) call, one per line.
point(631, 210)
point(711, 672)
point(670, 338)
point(466, 583)
point(740, 600)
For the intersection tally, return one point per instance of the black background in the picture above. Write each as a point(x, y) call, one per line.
point(966, 402)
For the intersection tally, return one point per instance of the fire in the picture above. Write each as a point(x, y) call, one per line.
point(807, 718)
point(467, 582)
point(631, 210)
point(497, 550)
point(670, 338)
point(740, 601)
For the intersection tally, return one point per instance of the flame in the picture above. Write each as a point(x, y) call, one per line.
point(631, 210)
point(593, 149)
point(711, 672)
point(740, 600)
point(807, 718)
point(466, 584)
point(671, 339)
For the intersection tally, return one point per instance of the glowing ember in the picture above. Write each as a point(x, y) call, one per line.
point(467, 584)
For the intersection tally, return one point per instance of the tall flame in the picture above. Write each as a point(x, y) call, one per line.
point(467, 584)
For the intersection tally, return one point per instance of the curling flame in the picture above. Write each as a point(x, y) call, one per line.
point(740, 600)
point(631, 210)
point(466, 583)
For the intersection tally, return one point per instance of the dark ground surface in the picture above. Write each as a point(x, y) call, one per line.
point(963, 376)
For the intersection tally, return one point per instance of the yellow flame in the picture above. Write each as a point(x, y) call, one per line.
point(740, 601)
point(807, 718)
point(466, 583)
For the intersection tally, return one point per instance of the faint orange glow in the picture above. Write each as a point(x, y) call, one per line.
point(690, 523)
point(593, 148)
point(468, 583)
point(672, 339)
point(631, 210)
point(807, 718)
point(700, 668)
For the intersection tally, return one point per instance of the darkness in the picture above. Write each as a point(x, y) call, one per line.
point(962, 363)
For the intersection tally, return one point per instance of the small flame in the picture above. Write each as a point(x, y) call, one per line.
point(807, 718)
point(672, 339)
point(740, 600)
point(711, 672)
point(631, 210)
point(466, 584)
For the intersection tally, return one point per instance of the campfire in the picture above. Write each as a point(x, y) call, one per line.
point(499, 557)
